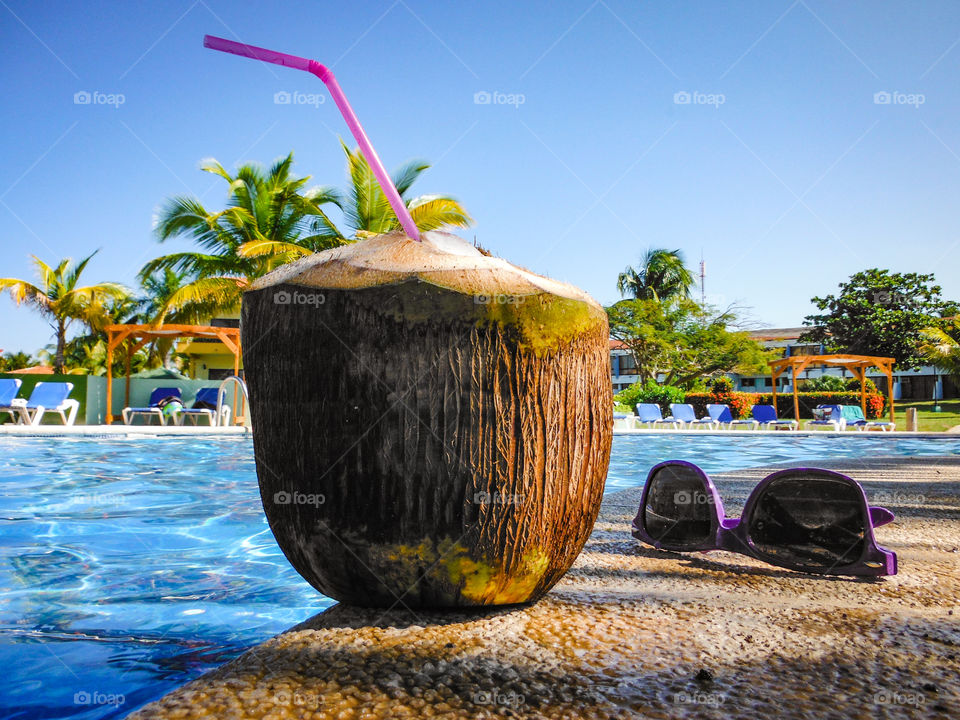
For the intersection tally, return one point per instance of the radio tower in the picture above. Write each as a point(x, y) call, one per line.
point(703, 280)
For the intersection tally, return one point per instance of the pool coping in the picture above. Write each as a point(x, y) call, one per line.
point(121, 430)
point(787, 433)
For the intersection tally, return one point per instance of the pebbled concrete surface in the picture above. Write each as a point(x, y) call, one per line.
point(632, 632)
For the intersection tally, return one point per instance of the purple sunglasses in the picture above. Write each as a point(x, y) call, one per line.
point(806, 519)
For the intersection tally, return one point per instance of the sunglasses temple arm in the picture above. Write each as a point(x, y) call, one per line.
point(880, 516)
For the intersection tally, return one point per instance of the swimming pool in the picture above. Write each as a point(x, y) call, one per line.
point(130, 566)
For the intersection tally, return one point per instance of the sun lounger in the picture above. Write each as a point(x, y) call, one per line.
point(9, 387)
point(853, 415)
point(828, 415)
point(47, 397)
point(721, 415)
point(684, 414)
point(650, 415)
point(204, 406)
point(766, 416)
point(154, 409)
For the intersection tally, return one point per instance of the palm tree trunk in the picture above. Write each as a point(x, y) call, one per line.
point(61, 346)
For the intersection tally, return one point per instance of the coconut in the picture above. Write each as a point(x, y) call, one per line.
point(431, 425)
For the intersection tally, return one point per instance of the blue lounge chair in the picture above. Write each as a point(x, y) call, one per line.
point(853, 415)
point(207, 397)
point(721, 415)
point(47, 397)
point(828, 415)
point(684, 414)
point(9, 387)
point(154, 409)
point(650, 415)
point(766, 416)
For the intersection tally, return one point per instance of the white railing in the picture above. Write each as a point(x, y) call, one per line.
point(223, 410)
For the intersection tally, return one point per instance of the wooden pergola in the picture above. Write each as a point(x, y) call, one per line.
point(139, 335)
point(857, 364)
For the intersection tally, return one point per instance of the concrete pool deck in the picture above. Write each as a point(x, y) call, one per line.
point(632, 632)
point(11, 430)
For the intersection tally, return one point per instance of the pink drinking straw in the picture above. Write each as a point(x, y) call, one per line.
point(312, 66)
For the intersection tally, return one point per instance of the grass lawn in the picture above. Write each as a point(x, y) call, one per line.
point(927, 419)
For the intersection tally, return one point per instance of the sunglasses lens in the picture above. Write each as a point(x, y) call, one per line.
point(815, 522)
point(679, 510)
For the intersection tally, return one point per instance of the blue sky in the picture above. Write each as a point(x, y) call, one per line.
point(784, 168)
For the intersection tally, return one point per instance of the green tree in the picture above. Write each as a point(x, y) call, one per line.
point(879, 313)
point(15, 361)
point(941, 348)
point(263, 206)
point(683, 341)
point(60, 298)
point(662, 275)
point(367, 212)
point(269, 220)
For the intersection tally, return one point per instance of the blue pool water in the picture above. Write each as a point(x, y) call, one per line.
point(130, 566)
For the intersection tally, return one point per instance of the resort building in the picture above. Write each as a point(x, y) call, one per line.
point(925, 383)
point(208, 358)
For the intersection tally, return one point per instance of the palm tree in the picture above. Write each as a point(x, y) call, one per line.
point(367, 212)
point(270, 220)
point(662, 275)
point(263, 206)
point(15, 361)
point(61, 300)
point(941, 349)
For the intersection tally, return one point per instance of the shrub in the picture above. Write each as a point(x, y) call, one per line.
point(854, 386)
point(651, 392)
point(740, 403)
point(721, 385)
point(825, 383)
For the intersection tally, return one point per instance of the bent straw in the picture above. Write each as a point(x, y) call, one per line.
point(321, 71)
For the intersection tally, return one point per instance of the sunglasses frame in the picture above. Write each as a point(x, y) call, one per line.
point(732, 535)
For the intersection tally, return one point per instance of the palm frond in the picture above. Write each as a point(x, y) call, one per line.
point(430, 212)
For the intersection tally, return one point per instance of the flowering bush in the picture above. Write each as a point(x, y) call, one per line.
point(741, 403)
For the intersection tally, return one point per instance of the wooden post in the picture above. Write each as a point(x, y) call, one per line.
point(109, 413)
point(796, 398)
point(889, 373)
point(126, 393)
point(863, 390)
point(773, 390)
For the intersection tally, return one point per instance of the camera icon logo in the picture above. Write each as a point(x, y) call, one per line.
point(882, 98)
point(681, 98)
point(281, 297)
point(481, 498)
point(281, 98)
point(82, 698)
point(482, 97)
point(282, 498)
point(682, 497)
point(81, 98)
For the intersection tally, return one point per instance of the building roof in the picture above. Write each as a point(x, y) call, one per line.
point(618, 345)
point(791, 333)
point(33, 370)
